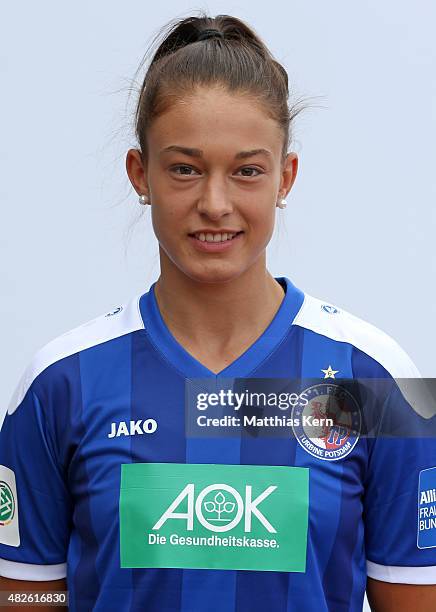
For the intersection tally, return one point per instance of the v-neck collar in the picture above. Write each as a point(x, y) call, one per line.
point(242, 366)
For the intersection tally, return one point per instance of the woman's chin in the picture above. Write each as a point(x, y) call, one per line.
point(213, 273)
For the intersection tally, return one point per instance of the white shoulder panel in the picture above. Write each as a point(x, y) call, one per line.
point(338, 324)
point(346, 327)
point(123, 320)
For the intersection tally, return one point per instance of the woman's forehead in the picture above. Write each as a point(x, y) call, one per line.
point(198, 121)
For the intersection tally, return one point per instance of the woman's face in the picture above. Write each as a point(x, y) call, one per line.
point(200, 181)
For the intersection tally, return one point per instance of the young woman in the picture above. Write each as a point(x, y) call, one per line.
point(105, 492)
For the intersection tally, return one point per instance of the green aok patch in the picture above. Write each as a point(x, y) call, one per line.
point(213, 516)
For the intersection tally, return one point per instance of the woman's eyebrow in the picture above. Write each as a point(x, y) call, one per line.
point(199, 153)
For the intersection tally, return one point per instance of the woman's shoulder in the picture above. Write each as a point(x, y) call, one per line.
point(106, 327)
point(341, 325)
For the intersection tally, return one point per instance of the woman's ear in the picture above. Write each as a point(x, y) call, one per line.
point(289, 173)
point(137, 171)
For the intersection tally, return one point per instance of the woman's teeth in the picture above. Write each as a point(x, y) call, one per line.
point(214, 237)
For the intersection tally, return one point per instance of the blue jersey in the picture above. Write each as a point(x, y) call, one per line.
point(100, 483)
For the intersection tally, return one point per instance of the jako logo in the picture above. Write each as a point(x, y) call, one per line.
point(140, 427)
point(227, 509)
point(114, 312)
point(329, 308)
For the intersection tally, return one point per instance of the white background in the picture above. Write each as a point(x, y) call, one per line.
point(359, 230)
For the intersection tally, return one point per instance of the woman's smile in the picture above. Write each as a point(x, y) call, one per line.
point(216, 242)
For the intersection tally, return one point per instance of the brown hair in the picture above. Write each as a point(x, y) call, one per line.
point(239, 62)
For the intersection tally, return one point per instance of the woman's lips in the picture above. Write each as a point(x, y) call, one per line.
point(214, 247)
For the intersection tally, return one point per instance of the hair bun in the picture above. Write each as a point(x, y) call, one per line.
point(210, 33)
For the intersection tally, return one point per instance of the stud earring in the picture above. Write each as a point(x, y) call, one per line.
point(282, 203)
point(143, 199)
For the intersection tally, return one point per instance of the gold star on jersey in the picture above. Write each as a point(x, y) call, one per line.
point(329, 373)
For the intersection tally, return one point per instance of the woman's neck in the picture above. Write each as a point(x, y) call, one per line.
point(216, 322)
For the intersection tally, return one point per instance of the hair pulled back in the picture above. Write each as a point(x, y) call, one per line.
point(237, 60)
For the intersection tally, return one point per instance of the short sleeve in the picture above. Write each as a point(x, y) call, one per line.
point(35, 506)
point(400, 495)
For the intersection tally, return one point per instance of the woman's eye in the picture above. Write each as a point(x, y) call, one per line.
point(251, 168)
point(183, 167)
point(185, 170)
